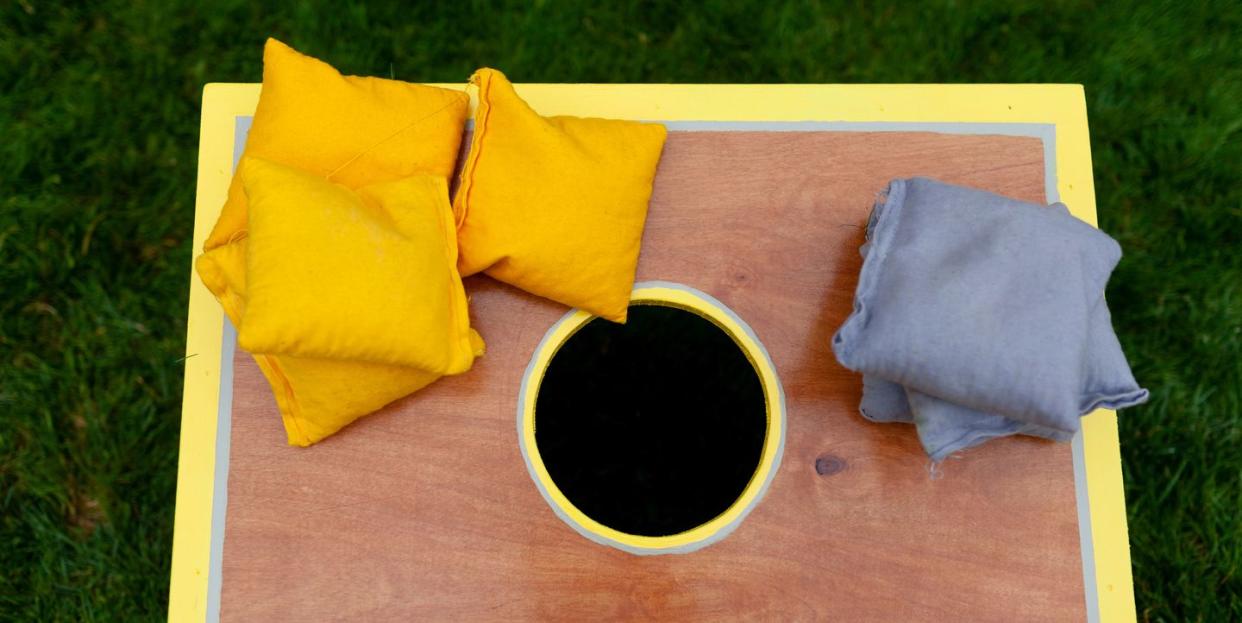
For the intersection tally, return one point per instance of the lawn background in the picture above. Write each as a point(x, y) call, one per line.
point(99, 113)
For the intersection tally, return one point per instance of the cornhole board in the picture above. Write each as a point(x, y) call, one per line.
point(426, 510)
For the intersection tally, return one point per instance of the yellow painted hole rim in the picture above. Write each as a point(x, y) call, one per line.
point(688, 299)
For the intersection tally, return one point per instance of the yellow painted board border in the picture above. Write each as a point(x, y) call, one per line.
point(191, 555)
point(682, 297)
point(1061, 105)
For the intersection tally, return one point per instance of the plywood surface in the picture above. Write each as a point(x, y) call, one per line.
point(425, 511)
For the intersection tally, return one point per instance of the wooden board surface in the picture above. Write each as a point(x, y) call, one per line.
point(426, 511)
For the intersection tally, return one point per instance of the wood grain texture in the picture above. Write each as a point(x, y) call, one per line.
point(425, 511)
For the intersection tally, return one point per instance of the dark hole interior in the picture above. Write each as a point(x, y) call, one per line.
point(653, 427)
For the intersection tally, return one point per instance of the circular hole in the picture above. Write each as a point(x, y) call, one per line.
point(654, 427)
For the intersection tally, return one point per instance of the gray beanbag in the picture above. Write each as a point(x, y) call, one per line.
point(979, 316)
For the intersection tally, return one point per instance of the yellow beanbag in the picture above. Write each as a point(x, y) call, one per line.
point(355, 131)
point(368, 275)
point(351, 130)
point(555, 205)
point(347, 299)
point(316, 397)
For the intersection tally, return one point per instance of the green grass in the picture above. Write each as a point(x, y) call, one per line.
point(98, 134)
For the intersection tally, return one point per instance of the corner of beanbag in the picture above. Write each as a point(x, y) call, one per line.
point(884, 401)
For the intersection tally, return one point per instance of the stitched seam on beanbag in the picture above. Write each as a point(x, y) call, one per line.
point(290, 402)
point(461, 335)
point(209, 273)
point(872, 269)
point(1113, 400)
point(476, 144)
point(395, 134)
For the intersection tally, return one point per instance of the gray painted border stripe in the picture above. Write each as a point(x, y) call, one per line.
point(1044, 131)
point(241, 130)
point(528, 378)
point(1085, 541)
point(224, 428)
point(220, 488)
point(1047, 132)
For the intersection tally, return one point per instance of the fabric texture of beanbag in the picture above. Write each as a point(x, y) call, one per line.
point(353, 131)
point(315, 397)
point(366, 275)
point(349, 129)
point(979, 316)
point(555, 205)
point(943, 427)
point(347, 299)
